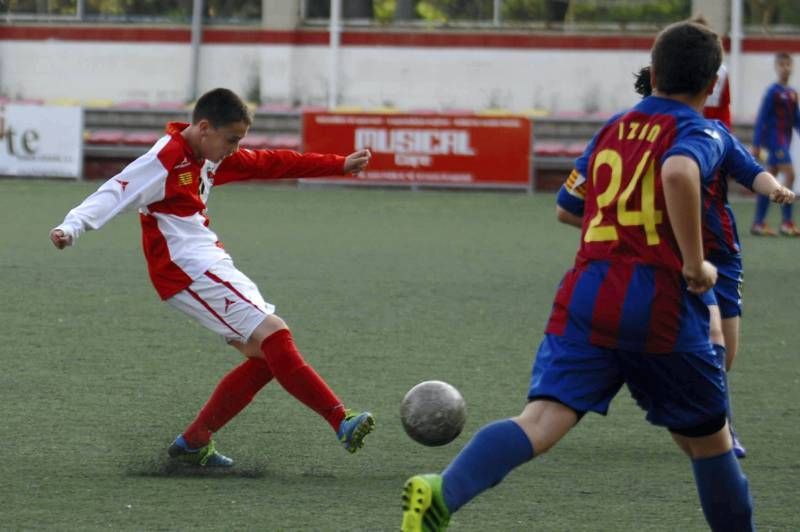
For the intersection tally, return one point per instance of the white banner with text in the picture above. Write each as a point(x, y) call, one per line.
point(41, 141)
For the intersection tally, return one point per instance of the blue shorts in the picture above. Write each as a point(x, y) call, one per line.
point(728, 290)
point(779, 155)
point(677, 390)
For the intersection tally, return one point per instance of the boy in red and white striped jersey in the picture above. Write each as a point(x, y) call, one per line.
point(190, 270)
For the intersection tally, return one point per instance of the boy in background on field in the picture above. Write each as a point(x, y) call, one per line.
point(772, 138)
point(192, 272)
point(629, 311)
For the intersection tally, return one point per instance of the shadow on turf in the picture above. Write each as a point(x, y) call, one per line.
point(170, 469)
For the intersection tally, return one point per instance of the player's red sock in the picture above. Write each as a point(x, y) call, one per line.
point(232, 394)
point(300, 379)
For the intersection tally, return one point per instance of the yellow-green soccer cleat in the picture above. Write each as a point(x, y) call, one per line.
point(423, 505)
point(354, 428)
point(203, 457)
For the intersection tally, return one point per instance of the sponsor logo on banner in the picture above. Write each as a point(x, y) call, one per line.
point(40, 140)
point(414, 147)
point(436, 149)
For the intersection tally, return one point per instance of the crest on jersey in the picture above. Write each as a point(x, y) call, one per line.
point(185, 178)
point(576, 184)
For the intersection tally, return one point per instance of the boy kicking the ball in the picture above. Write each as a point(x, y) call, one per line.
point(191, 271)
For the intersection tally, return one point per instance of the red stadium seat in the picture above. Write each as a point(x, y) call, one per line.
point(286, 142)
point(575, 149)
point(141, 138)
point(570, 115)
point(132, 104)
point(170, 106)
point(255, 142)
point(549, 148)
point(276, 107)
point(313, 108)
point(27, 101)
point(105, 136)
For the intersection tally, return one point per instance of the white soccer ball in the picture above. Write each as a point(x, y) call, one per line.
point(433, 413)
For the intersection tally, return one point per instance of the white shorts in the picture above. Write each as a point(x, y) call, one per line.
point(225, 301)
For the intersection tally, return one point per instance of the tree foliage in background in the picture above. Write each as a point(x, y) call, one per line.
point(173, 10)
point(444, 11)
point(764, 13)
point(626, 12)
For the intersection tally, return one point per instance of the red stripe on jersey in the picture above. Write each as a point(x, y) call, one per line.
point(230, 287)
point(167, 277)
point(605, 316)
point(781, 118)
point(667, 306)
point(558, 318)
point(727, 224)
point(709, 238)
point(211, 310)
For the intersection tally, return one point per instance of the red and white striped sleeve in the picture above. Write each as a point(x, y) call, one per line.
point(140, 183)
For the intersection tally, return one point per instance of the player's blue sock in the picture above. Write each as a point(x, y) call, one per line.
point(490, 455)
point(724, 492)
point(762, 204)
point(787, 212)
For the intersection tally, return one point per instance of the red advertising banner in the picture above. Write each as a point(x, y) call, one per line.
point(453, 150)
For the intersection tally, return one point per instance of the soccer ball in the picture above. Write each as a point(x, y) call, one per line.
point(433, 413)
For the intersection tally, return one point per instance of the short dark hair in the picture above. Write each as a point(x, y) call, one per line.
point(782, 55)
point(685, 58)
point(641, 82)
point(221, 107)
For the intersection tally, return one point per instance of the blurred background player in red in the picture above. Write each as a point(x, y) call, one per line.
point(191, 271)
point(718, 104)
point(772, 138)
point(628, 312)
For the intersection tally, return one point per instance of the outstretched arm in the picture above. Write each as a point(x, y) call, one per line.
point(357, 161)
point(747, 171)
point(766, 184)
point(248, 164)
point(142, 182)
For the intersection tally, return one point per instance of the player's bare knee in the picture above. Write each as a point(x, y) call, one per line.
point(545, 422)
point(706, 440)
point(715, 326)
point(250, 349)
point(267, 328)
